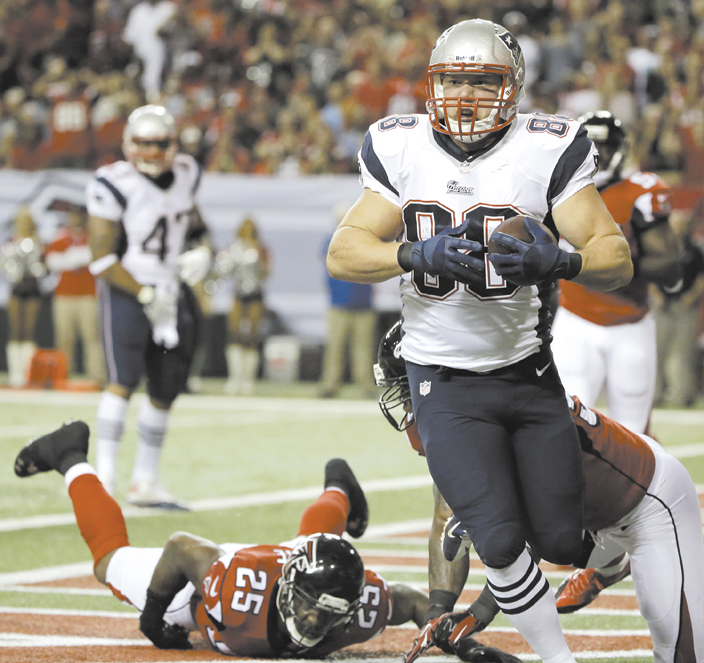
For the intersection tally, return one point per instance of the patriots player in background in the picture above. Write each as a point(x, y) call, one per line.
point(306, 597)
point(498, 436)
point(637, 498)
point(148, 240)
point(608, 339)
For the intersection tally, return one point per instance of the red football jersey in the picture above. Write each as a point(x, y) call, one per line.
point(237, 612)
point(618, 467)
point(637, 204)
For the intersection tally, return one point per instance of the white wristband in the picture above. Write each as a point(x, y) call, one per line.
point(101, 264)
point(145, 295)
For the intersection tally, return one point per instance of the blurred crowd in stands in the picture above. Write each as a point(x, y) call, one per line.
point(290, 86)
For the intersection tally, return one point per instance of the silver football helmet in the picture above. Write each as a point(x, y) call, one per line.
point(149, 140)
point(475, 47)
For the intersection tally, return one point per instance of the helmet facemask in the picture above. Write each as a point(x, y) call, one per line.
point(330, 613)
point(395, 401)
point(390, 372)
point(466, 127)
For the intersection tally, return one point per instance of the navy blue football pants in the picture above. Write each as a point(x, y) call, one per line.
point(504, 452)
point(130, 352)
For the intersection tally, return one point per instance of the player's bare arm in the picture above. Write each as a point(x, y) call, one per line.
point(104, 238)
point(409, 604)
point(186, 558)
point(364, 247)
point(586, 224)
point(660, 260)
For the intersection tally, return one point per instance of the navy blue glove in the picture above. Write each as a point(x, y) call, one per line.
point(442, 255)
point(541, 260)
point(454, 539)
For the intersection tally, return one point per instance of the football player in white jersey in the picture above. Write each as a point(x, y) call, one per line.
point(499, 439)
point(148, 240)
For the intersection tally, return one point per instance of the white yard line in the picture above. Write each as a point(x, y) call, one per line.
point(20, 640)
point(70, 613)
point(237, 502)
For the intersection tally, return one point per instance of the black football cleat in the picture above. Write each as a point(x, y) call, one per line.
point(339, 474)
point(48, 451)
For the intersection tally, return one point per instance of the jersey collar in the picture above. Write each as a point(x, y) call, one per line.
point(449, 146)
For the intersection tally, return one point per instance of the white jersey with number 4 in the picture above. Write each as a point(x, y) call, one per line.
point(155, 220)
point(540, 162)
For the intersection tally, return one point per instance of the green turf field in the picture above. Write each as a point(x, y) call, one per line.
point(249, 466)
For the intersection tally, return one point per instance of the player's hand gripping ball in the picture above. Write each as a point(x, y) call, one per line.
point(525, 252)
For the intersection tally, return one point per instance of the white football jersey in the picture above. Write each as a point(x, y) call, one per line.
point(541, 161)
point(155, 220)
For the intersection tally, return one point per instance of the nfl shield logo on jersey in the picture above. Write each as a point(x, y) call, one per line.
point(425, 388)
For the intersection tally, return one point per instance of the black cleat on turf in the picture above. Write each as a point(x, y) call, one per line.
point(48, 451)
point(339, 474)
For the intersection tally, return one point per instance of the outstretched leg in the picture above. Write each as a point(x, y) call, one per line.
point(98, 515)
point(341, 507)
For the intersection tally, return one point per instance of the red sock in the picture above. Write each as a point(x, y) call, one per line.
point(98, 515)
point(327, 514)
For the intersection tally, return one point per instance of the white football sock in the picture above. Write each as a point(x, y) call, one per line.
point(525, 597)
point(234, 354)
point(250, 367)
point(77, 470)
point(112, 410)
point(15, 364)
point(151, 426)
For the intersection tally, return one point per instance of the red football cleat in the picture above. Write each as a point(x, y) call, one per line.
point(583, 586)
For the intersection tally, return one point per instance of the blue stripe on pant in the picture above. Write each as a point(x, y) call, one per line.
point(505, 454)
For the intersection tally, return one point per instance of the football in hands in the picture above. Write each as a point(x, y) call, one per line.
point(515, 227)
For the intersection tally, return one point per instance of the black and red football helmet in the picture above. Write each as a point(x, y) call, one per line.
point(325, 577)
point(390, 372)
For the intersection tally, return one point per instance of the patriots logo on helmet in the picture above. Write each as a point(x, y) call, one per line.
point(512, 45)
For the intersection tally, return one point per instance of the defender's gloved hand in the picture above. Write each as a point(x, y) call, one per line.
point(472, 651)
point(454, 539)
point(445, 632)
point(531, 263)
point(194, 265)
point(453, 626)
point(442, 255)
point(422, 643)
point(152, 624)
